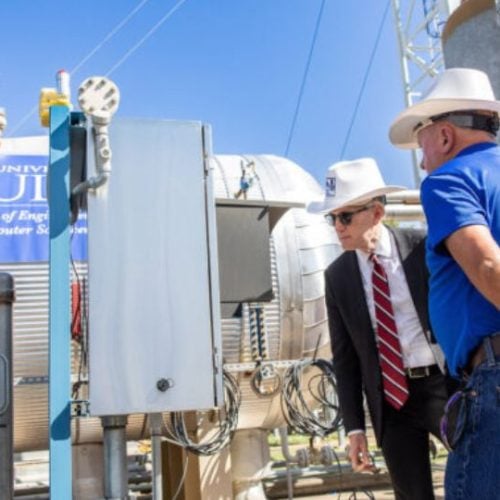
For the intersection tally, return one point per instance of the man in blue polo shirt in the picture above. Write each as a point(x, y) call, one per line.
point(455, 126)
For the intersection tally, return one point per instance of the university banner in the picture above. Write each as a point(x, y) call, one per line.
point(24, 213)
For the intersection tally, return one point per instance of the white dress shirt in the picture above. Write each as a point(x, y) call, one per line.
point(414, 346)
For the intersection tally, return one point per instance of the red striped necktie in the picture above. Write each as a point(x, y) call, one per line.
point(391, 360)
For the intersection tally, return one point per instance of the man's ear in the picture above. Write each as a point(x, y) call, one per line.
point(378, 212)
point(447, 138)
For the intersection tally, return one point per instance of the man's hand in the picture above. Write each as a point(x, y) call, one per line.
point(358, 453)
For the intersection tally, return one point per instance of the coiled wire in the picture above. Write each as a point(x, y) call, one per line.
point(228, 420)
point(321, 416)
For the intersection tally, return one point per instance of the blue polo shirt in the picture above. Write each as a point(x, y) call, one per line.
point(462, 192)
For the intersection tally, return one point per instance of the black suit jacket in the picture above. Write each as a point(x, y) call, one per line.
point(355, 354)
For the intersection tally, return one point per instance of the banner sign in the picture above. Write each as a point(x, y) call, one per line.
point(24, 212)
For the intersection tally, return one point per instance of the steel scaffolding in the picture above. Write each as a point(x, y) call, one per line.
point(418, 25)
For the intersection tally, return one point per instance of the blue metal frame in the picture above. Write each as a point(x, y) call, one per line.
point(60, 468)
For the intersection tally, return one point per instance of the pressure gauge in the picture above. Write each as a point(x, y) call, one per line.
point(98, 96)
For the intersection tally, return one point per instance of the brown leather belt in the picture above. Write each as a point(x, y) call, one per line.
point(479, 355)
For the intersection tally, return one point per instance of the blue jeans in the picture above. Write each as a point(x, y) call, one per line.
point(473, 468)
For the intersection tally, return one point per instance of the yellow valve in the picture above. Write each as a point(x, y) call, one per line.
point(50, 97)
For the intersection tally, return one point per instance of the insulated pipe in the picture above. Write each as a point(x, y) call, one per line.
point(404, 212)
point(115, 457)
point(249, 462)
point(6, 423)
point(409, 196)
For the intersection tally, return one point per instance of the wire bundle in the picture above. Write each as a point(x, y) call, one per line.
point(265, 381)
point(81, 340)
point(320, 417)
point(176, 426)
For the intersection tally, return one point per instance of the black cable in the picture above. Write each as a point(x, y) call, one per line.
point(365, 79)
point(301, 416)
point(353, 495)
point(227, 424)
point(304, 78)
point(367, 493)
point(82, 341)
point(337, 460)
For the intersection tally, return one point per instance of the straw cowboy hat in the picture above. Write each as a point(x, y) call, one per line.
point(351, 183)
point(456, 89)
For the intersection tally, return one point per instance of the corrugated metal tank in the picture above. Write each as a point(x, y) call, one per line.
point(302, 245)
point(471, 39)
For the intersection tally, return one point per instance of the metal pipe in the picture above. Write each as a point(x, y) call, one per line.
point(408, 196)
point(102, 152)
point(284, 445)
point(115, 457)
point(60, 465)
point(404, 212)
point(289, 460)
point(92, 183)
point(155, 420)
point(6, 411)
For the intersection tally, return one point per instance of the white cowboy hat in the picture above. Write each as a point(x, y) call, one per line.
point(456, 89)
point(351, 183)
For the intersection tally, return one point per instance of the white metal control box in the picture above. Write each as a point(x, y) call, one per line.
point(154, 312)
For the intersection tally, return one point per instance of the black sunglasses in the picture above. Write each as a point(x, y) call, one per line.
point(345, 218)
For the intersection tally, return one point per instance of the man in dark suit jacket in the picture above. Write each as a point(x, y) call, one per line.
point(354, 204)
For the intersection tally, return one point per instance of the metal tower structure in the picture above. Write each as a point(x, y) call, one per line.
point(418, 25)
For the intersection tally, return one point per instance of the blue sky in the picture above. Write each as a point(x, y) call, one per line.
point(235, 64)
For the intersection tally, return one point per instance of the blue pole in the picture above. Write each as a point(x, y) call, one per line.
point(59, 306)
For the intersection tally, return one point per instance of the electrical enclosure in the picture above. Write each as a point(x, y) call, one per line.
point(244, 228)
point(154, 314)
